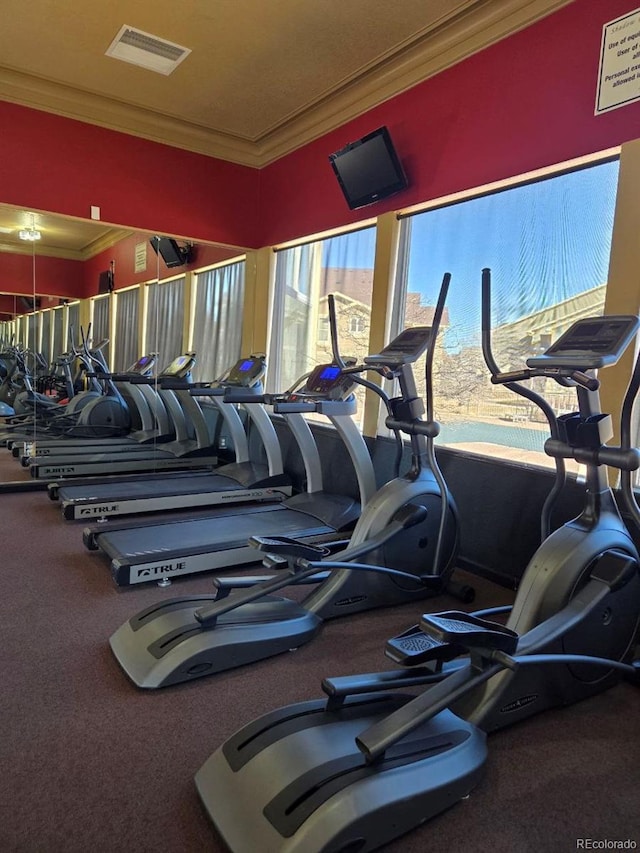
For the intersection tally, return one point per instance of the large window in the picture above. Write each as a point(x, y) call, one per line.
point(217, 327)
point(305, 276)
point(547, 244)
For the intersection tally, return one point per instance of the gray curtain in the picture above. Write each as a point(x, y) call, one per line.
point(45, 347)
point(32, 327)
point(100, 323)
point(126, 343)
point(59, 345)
point(74, 326)
point(217, 333)
point(165, 317)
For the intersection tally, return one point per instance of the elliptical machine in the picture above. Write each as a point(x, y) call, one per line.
point(364, 766)
point(410, 522)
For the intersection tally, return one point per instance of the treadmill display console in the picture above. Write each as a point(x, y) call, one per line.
point(327, 380)
point(142, 365)
point(590, 343)
point(180, 366)
point(245, 373)
point(406, 348)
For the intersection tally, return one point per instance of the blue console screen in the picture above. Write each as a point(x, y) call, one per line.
point(330, 373)
point(246, 365)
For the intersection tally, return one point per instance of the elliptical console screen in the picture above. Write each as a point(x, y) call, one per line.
point(407, 347)
point(590, 343)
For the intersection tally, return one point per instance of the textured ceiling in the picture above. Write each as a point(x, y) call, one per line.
point(263, 77)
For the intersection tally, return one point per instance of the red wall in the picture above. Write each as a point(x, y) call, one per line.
point(526, 102)
point(523, 103)
point(52, 163)
point(123, 256)
point(53, 275)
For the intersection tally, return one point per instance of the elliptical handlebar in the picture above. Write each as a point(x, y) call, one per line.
point(333, 331)
point(591, 383)
point(513, 385)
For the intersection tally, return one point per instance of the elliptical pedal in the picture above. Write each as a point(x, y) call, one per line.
point(469, 632)
point(415, 648)
point(441, 637)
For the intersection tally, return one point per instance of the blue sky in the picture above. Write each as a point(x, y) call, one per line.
point(544, 242)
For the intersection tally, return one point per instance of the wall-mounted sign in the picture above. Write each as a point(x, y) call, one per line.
point(140, 257)
point(619, 73)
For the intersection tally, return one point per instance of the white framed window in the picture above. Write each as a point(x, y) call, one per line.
point(305, 275)
point(357, 325)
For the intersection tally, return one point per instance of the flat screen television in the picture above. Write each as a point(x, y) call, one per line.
point(105, 282)
point(369, 170)
point(171, 253)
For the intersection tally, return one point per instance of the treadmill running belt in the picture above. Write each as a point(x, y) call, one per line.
point(157, 488)
point(209, 534)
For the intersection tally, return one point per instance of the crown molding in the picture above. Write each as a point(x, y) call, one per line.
point(42, 94)
point(452, 42)
point(471, 31)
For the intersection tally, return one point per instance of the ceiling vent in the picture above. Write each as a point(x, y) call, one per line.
point(146, 50)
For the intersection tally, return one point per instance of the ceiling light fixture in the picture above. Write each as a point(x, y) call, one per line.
point(31, 234)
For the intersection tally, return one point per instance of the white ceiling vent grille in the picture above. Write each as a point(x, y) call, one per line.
point(146, 50)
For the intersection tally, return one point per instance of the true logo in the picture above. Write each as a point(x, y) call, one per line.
point(98, 510)
point(162, 569)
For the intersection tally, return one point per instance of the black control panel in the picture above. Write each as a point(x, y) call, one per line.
point(143, 365)
point(327, 381)
point(246, 372)
point(180, 366)
point(404, 349)
point(590, 343)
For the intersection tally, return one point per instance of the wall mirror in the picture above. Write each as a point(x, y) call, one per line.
point(139, 294)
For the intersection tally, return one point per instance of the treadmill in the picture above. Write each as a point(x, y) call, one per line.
point(240, 481)
point(191, 448)
point(162, 550)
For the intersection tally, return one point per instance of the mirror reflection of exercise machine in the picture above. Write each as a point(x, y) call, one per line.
point(243, 480)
